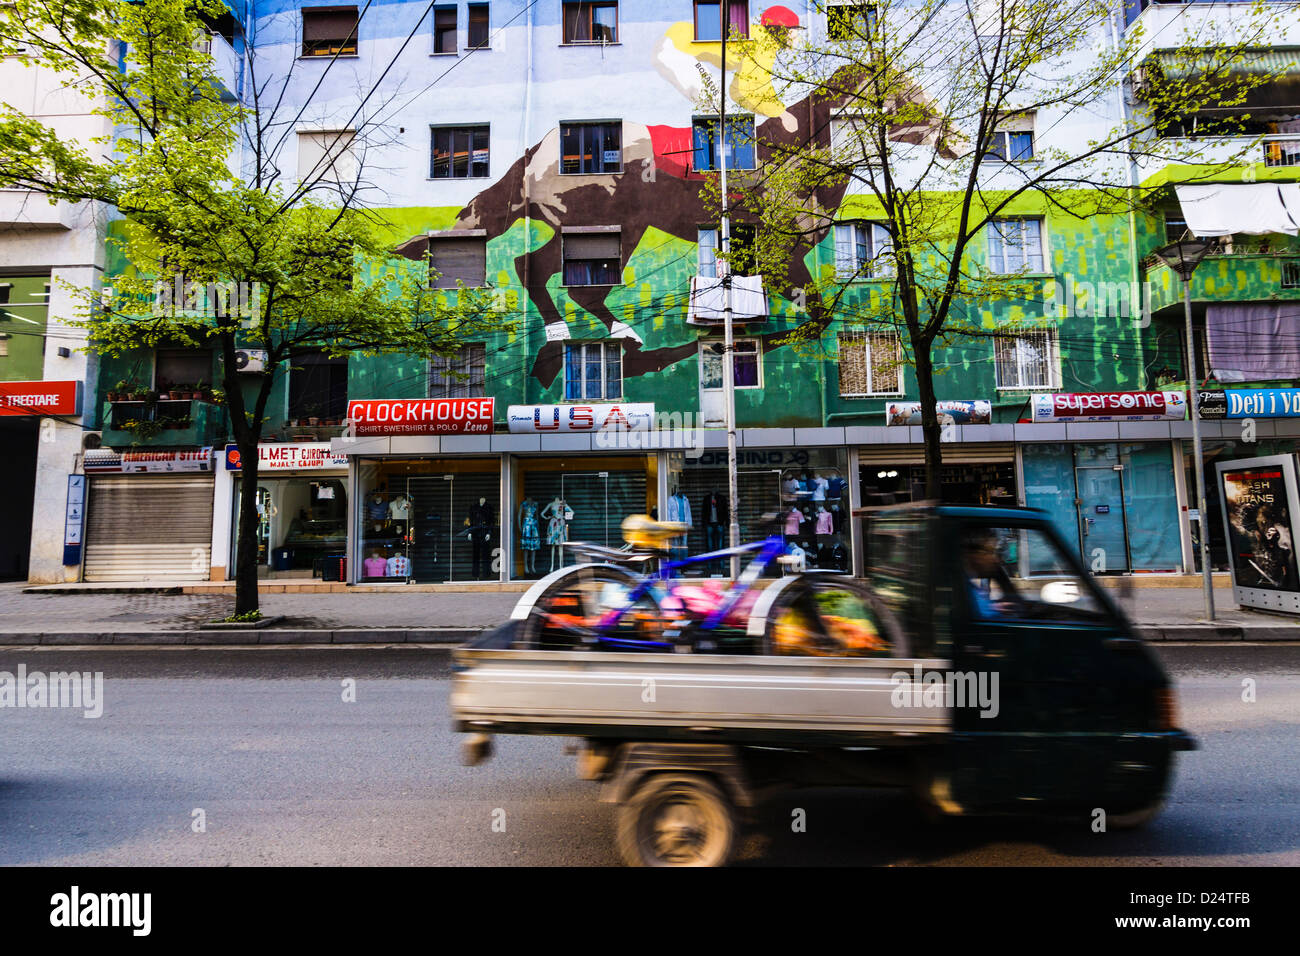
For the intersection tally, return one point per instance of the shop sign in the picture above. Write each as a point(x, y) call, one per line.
point(543, 419)
point(289, 457)
point(74, 519)
point(1109, 406)
point(101, 461)
point(1250, 403)
point(977, 412)
point(421, 416)
point(40, 398)
point(1259, 508)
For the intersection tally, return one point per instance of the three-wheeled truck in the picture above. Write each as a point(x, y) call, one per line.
point(1016, 686)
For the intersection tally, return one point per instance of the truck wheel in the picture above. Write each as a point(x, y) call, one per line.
point(676, 820)
point(1135, 819)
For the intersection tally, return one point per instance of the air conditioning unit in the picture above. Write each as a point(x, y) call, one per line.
point(250, 360)
point(92, 440)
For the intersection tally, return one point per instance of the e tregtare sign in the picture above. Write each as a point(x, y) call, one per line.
point(40, 398)
point(288, 457)
point(421, 416)
point(1250, 403)
point(1109, 406)
point(541, 419)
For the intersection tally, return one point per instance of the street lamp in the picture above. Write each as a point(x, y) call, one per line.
point(1183, 257)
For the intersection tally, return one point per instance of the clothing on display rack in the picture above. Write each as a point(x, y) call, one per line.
point(398, 566)
point(825, 522)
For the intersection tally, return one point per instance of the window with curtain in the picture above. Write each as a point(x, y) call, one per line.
point(593, 371)
point(1026, 360)
point(871, 363)
point(329, 31)
point(748, 357)
point(460, 375)
point(710, 19)
point(708, 253)
point(740, 142)
point(592, 259)
point(591, 148)
point(460, 152)
point(862, 251)
point(590, 22)
point(1015, 245)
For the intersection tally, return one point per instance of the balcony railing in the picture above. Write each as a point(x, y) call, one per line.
point(1282, 150)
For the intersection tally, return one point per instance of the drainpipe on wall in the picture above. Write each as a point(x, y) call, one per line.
point(528, 207)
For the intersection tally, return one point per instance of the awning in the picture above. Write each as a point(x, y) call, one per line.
point(1278, 62)
point(748, 300)
point(1252, 209)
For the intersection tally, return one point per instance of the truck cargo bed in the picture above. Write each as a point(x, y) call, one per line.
point(651, 696)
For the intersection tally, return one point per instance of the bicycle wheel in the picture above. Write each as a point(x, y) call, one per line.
point(563, 611)
point(826, 615)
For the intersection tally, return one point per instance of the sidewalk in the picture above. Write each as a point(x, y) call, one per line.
point(396, 616)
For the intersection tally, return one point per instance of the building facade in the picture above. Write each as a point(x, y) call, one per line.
point(555, 152)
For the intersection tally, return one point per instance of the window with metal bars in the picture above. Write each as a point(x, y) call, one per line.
point(871, 363)
point(1026, 359)
point(460, 375)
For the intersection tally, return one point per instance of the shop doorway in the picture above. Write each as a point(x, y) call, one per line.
point(18, 487)
point(1103, 531)
point(301, 523)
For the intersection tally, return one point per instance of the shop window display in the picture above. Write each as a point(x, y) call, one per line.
point(553, 503)
point(430, 520)
point(301, 522)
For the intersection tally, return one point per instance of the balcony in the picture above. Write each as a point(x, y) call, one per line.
point(189, 423)
point(1240, 273)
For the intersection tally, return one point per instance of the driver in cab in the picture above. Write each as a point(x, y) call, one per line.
point(991, 591)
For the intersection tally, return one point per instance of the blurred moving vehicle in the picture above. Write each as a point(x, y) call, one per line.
point(994, 677)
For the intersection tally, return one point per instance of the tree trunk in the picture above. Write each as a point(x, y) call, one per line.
point(930, 428)
point(246, 597)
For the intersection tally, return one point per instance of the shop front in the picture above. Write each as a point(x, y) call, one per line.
point(302, 510)
point(148, 515)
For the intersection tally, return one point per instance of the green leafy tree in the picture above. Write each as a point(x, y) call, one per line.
point(911, 101)
point(194, 177)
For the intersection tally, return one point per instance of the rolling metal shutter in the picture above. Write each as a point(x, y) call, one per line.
point(954, 453)
point(149, 527)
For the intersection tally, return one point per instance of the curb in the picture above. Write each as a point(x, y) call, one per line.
point(1219, 632)
point(248, 635)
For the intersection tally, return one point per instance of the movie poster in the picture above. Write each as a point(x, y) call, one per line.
point(1260, 541)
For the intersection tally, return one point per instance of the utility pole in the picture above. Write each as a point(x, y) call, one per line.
point(728, 340)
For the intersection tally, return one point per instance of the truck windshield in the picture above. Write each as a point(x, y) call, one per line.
point(1019, 573)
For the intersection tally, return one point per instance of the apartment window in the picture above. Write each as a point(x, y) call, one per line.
point(1291, 273)
point(591, 147)
point(478, 26)
point(318, 385)
point(862, 251)
point(850, 21)
point(709, 19)
point(181, 367)
point(444, 29)
point(1015, 245)
point(871, 363)
point(329, 31)
point(850, 138)
point(593, 371)
point(460, 152)
point(1026, 360)
point(458, 259)
point(708, 253)
point(592, 259)
point(591, 23)
point(748, 357)
point(327, 155)
point(744, 260)
point(740, 142)
point(459, 375)
point(1012, 142)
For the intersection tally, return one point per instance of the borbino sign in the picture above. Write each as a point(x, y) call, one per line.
point(421, 416)
point(1109, 406)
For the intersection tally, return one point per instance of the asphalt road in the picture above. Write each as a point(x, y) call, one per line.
point(286, 772)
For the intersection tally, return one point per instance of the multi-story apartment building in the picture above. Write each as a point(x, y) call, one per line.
point(554, 151)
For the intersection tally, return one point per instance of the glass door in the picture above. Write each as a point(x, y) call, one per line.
point(1102, 529)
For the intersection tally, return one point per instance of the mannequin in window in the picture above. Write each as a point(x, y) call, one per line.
point(713, 512)
point(376, 506)
point(825, 522)
point(375, 566)
point(679, 510)
point(793, 519)
point(530, 541)
point(479, 521)
point(557, 529)
point(818, 486)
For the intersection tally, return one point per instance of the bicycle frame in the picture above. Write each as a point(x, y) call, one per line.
point(768, 549)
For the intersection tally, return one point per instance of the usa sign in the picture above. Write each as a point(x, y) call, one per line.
point(421, 416)
point(541, 419)
point(1109, 406)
